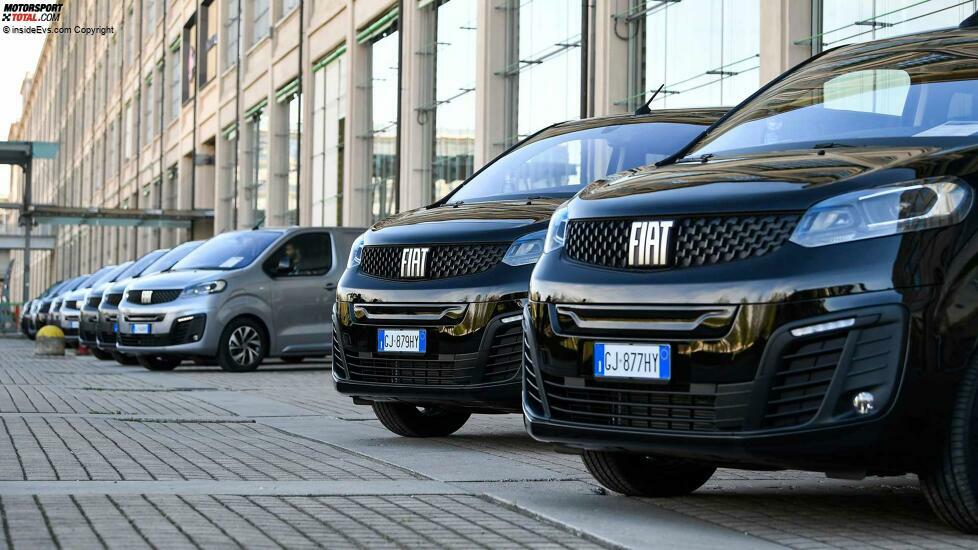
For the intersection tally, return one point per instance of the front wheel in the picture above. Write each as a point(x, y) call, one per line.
point(243, 346)
point(646, 476)
point(419, 420)
point(950, 483)
point(159, 362)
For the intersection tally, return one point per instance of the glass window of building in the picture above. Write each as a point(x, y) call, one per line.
point(127, 132)
point(208, 25)
point(231, 172)
point(455, 56)
point(702, 52)
point(384, 67)
point(548, 64)
point(259, 174)
point(328, 139)
point(148, 101)
point(175, 81)
point(259, 20)
point(190, 58)
point(149, 14)
point(290, 101)
point(851, 21)
point(130, 37)
point(231, 18)
point(288, 6)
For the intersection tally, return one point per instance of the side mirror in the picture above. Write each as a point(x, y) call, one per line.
point(284, 266)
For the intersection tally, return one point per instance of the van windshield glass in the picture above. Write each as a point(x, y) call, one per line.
point(168, 260)
point(139, 265)
point(909, 92)
point(561, 165)
point(228, 251)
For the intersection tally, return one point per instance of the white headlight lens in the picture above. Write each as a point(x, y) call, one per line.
point(356, 251)
point(882, 211)
point(556, 230)
point(212, 287)
point(525, 250)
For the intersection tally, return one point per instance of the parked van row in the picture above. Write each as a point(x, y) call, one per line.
point(788, 284)
point(234, 300)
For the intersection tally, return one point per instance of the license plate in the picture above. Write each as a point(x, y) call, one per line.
point(72, 324)
point(649, 361)
point(140, 328)
point(401, 341)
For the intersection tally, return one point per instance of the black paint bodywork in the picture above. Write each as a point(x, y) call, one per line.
point(917, 293)
point(492, 300)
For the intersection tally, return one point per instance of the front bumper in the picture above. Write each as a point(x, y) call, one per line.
point(70, 322)
point(107, 328)
point(472, 359)
point(759, 395)
point(88, 327)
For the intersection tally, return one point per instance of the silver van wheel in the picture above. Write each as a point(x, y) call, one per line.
point(244, 345)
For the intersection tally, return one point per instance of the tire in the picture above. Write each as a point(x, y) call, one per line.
point(409, 420)
point(159, 362)
point(950, 483)
point(123, 359)
point(243, 345)
point(99, 354)
point(646, 476)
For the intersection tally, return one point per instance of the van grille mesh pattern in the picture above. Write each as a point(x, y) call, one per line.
point(159, 296)
point(698, 241)
point(444, 261)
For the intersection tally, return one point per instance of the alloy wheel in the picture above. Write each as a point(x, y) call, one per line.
point(244, 345)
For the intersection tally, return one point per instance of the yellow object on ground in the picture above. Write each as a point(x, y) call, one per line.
point(50, 331)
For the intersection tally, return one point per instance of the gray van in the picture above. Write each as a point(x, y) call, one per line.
point(238, 298)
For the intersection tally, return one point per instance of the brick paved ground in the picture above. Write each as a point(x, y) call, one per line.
point(94, 454)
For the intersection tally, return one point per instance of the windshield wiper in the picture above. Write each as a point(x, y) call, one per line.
point(831, 145)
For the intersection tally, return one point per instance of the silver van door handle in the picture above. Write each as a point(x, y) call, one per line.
point(329, 286)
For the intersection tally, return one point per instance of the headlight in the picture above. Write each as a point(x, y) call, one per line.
point(526, 249)
point(909, 206)
point(555, 233)
point(212, 287)
point(356, 251)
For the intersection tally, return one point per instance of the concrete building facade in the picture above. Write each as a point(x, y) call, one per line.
point(341, 112)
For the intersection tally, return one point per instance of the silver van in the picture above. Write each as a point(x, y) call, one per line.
point(239, 298)
point(108, 308)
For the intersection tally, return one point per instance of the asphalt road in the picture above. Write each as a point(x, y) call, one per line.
point(94, 454)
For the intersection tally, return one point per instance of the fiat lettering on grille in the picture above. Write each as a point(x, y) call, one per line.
point(414, 263)
point(648, 244)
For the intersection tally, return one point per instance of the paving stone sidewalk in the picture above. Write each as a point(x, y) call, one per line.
point(95, 454)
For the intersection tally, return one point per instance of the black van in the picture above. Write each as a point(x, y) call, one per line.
point(427, 325)
point(798, 288)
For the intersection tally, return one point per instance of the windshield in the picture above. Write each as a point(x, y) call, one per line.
point(563, 164)
point(113, 274)
point(228, 251)
point(909, 91)
point(90, 281)
point(167, 260)
point(139, 265)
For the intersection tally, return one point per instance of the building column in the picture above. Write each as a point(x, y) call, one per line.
point(494, 101)
point(246, 174)
point(784, 22)
point(356, 210)
point(610, 70)
point(417, 28)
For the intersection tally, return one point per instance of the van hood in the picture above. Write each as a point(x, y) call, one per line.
point(489, 221)
point(772, 181)
point(177, 279)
